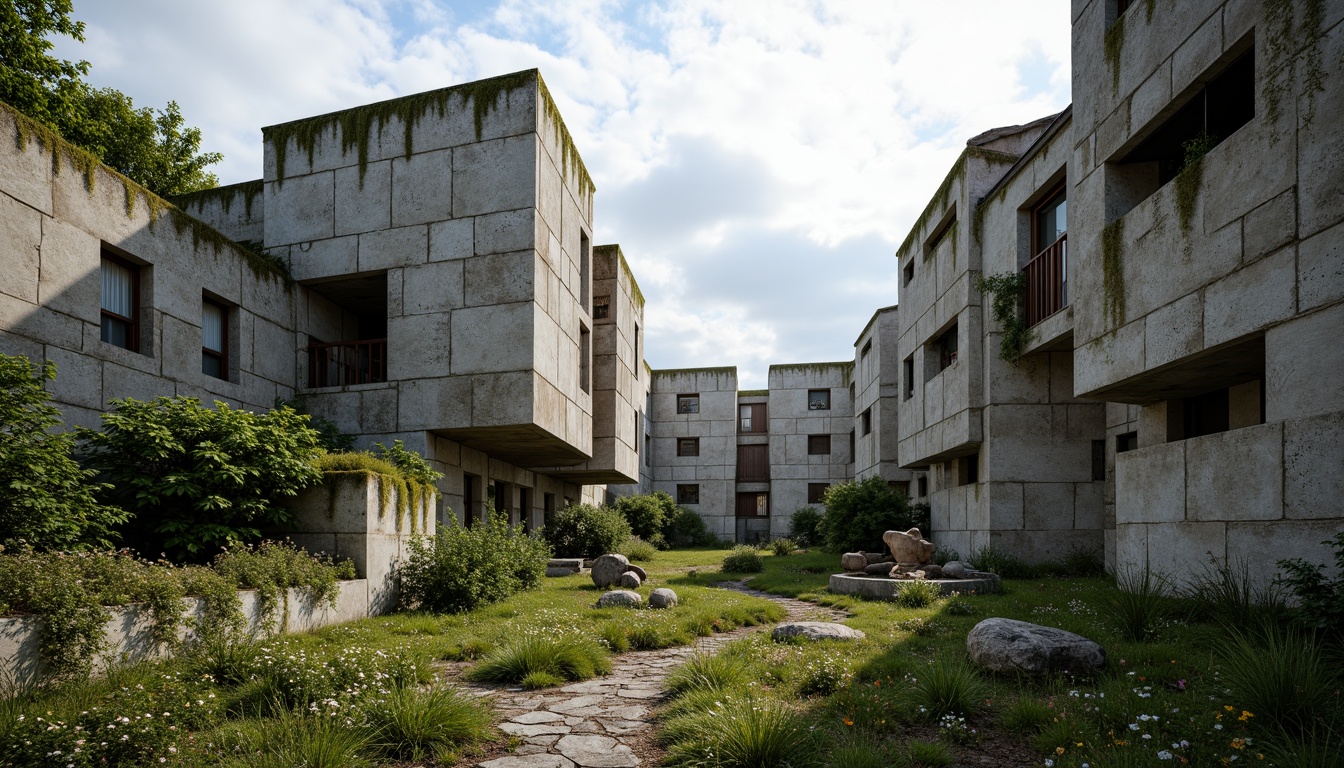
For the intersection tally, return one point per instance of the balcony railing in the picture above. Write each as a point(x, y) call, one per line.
point(341, 363)
point(1047, 282)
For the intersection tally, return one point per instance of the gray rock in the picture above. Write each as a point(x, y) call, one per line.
point(620, 598)
point(630, 580)
point(932, 571)
point(853, 561)
point(878, 569)
point(662, 598)
point(816, 630)
point(640, 572)
point(1007, 645)
point(955, 569)
point(607, 569)
point(877, 557)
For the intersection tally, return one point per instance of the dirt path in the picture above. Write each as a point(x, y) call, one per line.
point(606, 722)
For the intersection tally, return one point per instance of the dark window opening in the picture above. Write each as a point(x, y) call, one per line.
point(923, 485)
point(648, 450)
point(971, 465)
point(866, 349)
point(818, 445)
point(688, 446)
point(602, 308)
point(470, 494)
point(908, 376)
point(1126, 442)
point(585, 359)
point(1205, 414)
point(120, 307)
point(816, 493)
point(214, 340)
point(688, 403)
point(941, 353)
point(1222, 106)
point(1098, 460)
point(818, 399)
point(908, 273)
point(868, 421)
point(688, 494)
point(853, 451)
point(585, 269)
point(940, 234)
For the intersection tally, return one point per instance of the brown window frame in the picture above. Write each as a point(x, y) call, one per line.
point(818, 445)
point(688, 446)
point(755, 423)
point(1056, 192)
point(688, 493)
point(133, 322)
point(816, 492)
point(223, 355)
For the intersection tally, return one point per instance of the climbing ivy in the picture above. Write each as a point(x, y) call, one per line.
point(1113, 44)
point(1191, 177)
point(1281, 45)
point(1113, 279)
point(1007, 291)
point(250, 191)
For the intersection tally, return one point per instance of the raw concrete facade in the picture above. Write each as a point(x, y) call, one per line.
point(442, 290)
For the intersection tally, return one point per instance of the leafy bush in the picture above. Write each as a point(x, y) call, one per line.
point(1320, 601)
point(272, 567)
point(685, 528)
point(582, 530)
point(858, 513)
point(917, 594)
point(462, 568)
point(637, 550)
point(541, 660)
point(743, 559)
point(200, 479)
point(805, 527)
point(49, 502)
point(329, 436)
point(648, 515)
point(783, 547)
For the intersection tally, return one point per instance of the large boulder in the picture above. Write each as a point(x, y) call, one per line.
point(815, 630)
point(607, 569)
point(630, 580)
point(955, 569)
point(1008, 645)
point(908, 546)
point(853, 562)
point(662, 597)
point(620, 598)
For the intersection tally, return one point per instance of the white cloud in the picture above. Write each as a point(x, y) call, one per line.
point(719, 134)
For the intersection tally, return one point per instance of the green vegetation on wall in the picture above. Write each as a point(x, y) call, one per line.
point(1113, 278)
point(942, 197)
point(845, 367)
point(250, 191)
point(753, 393)
point(1282, 45)
point(1007, 291)
point(1191, 177)
point(1113, 44)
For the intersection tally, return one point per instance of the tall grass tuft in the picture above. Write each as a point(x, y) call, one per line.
point(783, 547)
point(1026, 715)
point(1007, 565)
point(927, 754)
point(707, 672)
point(917, 594)
point(742, 733)
point(859, 750)
point(291, 740)
point(534, 659)
point(413, 724)
point(947, 687)
point(637, 549)
point(227, 661)
point(1141, 600)
point(1228, 593)
point(1283, 677)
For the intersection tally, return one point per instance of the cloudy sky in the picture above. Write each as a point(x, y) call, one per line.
point(757, 160)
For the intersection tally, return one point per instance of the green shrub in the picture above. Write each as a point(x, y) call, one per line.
point(463, 568)
point(200, 479)
point(947, 687)
point(917, 594)
point(858, 513)
point(540, 661)
point(743, 559)
point(648, 514)
point(48, 502)
point(1320, 601)
point(685, 528)
point(272, 567)
point(783, 547)
point(742, 733)
point(860, 750)
point(413, 724)
point(637, 550)
point(805, 527)
point(582, 530)
point(329, 436)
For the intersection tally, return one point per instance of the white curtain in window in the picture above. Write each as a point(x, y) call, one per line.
point(116, 288)
point(212, 327)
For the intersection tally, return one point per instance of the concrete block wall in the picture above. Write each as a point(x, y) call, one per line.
point(715, 425)
point(56, 227)
point(792, 422)
point(236, 210)
point(877, 386)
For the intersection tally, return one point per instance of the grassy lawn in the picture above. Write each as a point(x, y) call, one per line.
point(346, 695)
point(1181, 686)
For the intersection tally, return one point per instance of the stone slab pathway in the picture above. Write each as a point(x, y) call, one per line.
point(606, 722)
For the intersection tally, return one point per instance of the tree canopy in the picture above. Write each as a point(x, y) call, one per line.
point(153, 147)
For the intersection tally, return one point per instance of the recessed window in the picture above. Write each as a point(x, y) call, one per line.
point(866, 349)
point(1126, 442)
point(816, 493)
point(1098, 460)
point(908, 376)
point(908, 273)
point(818, 445)
point(751, 418)
point(867, 421)
point(648, 450)
point(945, 228)
point(120, 303)
point(818, 399)
point(688, 446)
point(688, 494)
point(1206, 414)
point(753, 463)
point(688, 403)
point(602, 308)
point(585, 359)
point(922, 486)
point(970, 467)
point(853, 453)
point(944, 349)
point(214, 340)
